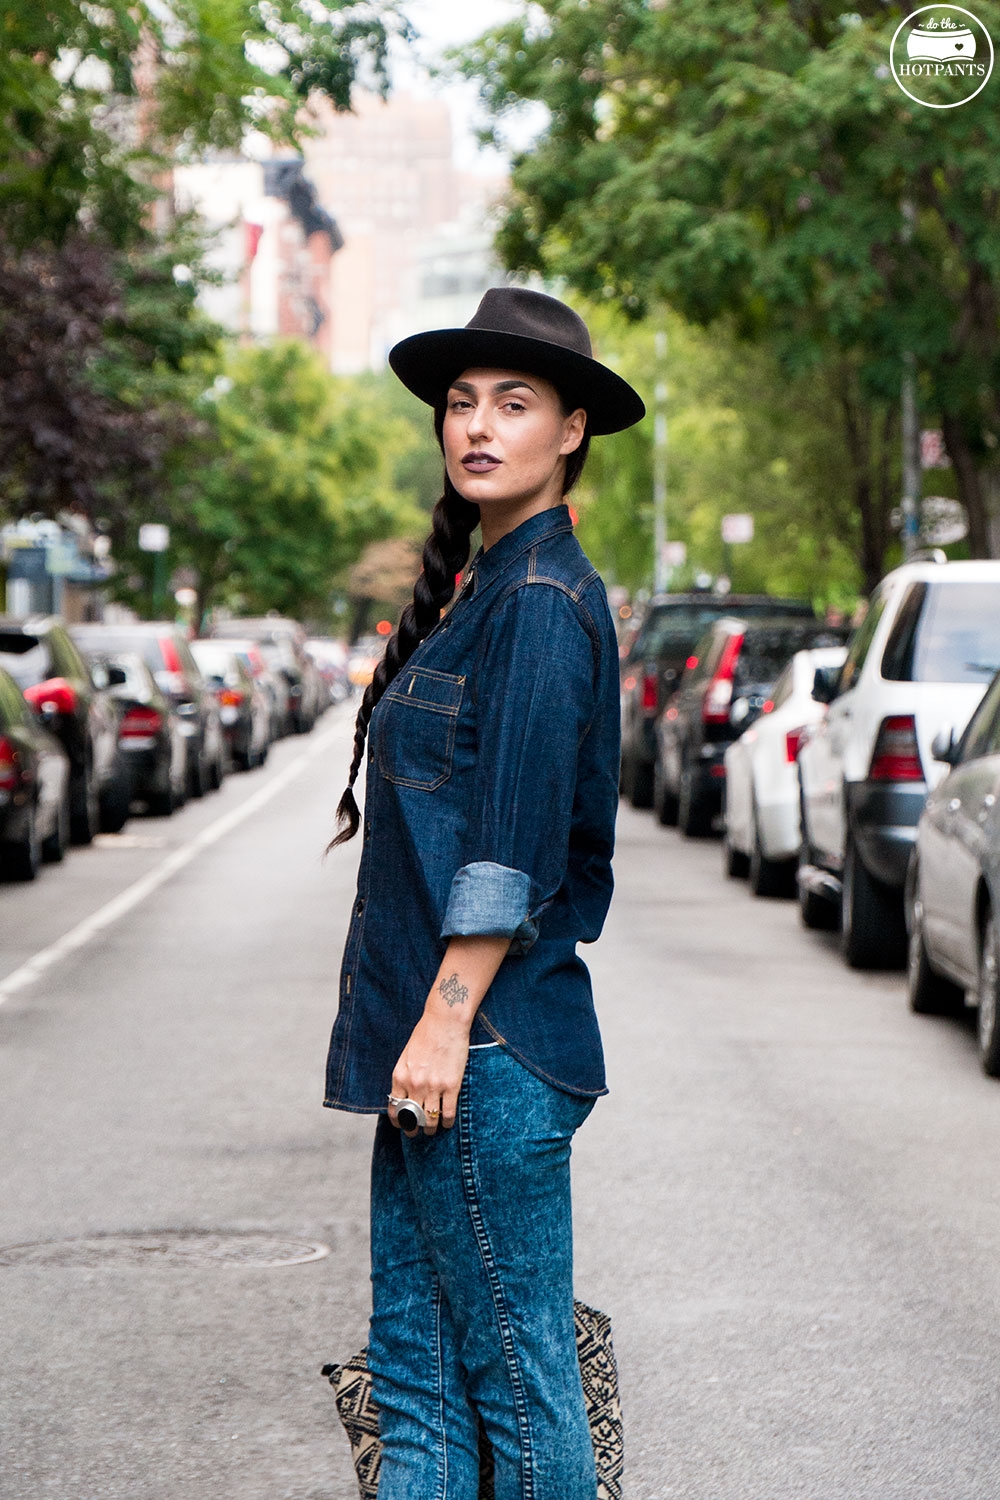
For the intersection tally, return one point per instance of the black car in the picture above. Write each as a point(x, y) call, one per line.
point(48, 668)
point(652, 666)
point(34, 788)
point(726, 682)
point(163, 647)
point(150, 733)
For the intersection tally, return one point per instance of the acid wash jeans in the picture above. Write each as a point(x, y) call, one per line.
point(472, 1295)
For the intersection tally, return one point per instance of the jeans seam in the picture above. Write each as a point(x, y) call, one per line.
point(443, 1464)
point(489, 1264)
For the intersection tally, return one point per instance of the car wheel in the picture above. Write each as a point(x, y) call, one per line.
point(735, 864)
point(197, 778)
point(640, 783)
point(692, 815)
point(84, 808)
point(54, 846)
point(115, 800)
point(873, 933)
point(988, 1026)
point(217, 774)
point(163, 804)
point(664, 800)
point(930, 994)
point(21, 861)
point(769, 877)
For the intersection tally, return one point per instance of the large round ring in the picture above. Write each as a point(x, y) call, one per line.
point(432, 1114)
point(410, 1115)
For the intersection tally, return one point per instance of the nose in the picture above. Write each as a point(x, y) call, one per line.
point(479, 425)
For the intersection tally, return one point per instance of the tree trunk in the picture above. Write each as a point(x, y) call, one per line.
point(970, 487)
point(864, 476)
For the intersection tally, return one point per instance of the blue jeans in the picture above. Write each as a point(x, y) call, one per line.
point(472, 1295)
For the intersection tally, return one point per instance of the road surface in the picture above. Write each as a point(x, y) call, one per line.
point(788, 1202)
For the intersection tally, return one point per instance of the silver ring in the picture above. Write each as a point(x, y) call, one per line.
point(410, 1106)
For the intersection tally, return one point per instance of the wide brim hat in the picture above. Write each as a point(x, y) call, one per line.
point(517, 329)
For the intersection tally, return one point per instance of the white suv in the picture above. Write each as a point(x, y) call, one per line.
point(920, 661)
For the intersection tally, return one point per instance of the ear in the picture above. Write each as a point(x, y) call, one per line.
point(573, 431)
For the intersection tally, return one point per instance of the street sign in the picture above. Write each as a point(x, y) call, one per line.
point(942, 521)
point(737, 528)
point(154, 537)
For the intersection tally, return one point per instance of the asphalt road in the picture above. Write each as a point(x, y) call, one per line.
point(787, 1204)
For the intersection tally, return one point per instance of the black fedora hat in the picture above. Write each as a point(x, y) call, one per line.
point(517, 329)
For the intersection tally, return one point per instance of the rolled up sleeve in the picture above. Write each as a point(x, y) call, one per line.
point(535, 700)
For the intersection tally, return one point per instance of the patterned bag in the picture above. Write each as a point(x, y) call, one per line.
point(352, 1386)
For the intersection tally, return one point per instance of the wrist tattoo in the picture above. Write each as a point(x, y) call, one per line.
point(453, 991)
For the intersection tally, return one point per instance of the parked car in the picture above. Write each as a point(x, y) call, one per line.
point(727, 680)
point(653, 663)
point(953, 882)
point(244, 708)
point(762, 832)
point(54, 678)
point(920, 661)
point(274, 685)
point(166, 652)
point(34, 788)
point(281, 643)
point(330, 657)
point(150, 733)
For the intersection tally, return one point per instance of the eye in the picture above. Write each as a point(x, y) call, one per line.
point(457, 403)
point(514, 406)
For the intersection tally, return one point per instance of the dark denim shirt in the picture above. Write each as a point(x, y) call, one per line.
point(491, 791)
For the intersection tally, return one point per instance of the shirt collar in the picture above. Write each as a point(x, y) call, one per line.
point(486, 566)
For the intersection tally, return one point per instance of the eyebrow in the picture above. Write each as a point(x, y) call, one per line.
point(498, 390)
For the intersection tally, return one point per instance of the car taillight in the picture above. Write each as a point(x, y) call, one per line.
point(793, 744)
point(649, 690)
point(715, 705)
point(231, 696)
point(140, 723)
point(53, 697)
point(10, 773)
point(896, 756)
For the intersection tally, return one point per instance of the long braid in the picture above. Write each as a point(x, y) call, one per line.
point(446, 552)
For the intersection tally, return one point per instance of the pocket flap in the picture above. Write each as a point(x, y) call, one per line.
point(440, 691)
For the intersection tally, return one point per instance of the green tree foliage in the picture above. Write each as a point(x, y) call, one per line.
point(95, 98)
point(294, 477)
point(741, 438)
point(753, 159)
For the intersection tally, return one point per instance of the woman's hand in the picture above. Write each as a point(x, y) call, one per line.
point(431, 1068)
point(432, 1064)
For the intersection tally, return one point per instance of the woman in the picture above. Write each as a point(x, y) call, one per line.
point(489, 821)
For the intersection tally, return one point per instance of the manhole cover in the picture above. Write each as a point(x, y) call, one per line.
point(253, 1248)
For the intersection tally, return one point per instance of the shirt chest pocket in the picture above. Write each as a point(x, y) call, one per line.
point(417, 734)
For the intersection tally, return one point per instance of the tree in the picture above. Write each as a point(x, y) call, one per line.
point(754, 159)
point(741, 438)
point(98, 332)
point(294, 476)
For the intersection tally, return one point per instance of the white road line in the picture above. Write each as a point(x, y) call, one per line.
point(100, 920)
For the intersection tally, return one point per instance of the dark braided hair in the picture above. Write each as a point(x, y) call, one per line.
point(446, 551)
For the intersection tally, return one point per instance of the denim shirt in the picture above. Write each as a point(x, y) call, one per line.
point(491, 792)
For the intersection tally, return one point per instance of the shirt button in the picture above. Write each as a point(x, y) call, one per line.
point(360, 906)
point(368, 829)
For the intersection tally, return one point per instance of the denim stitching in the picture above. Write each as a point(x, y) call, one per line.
point(443, 1463)
point(471, 1189)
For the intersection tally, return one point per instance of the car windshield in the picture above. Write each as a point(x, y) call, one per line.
point(766, 653)
point(946, 632)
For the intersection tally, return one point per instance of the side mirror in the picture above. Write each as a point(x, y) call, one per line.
point(825, 682)
point(117, 677)
point(945, 747)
